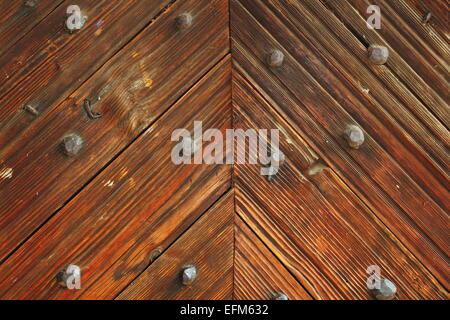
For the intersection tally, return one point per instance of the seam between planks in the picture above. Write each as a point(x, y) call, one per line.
point(5, 50)
point(95, 71)
point(268, 248)
point(367, 204)
point(75, 194)
point(389, 157)
point(221, 197)
point(402, 82)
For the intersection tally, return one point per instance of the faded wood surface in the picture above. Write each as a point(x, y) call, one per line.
point(19, 17)
point(315, 224)
point(131, 219)
point(438, 10)
point(375, 175)
point(134, 88)
point(209, 246)
point(50, 63)
point(140, 203)
point(257, 272)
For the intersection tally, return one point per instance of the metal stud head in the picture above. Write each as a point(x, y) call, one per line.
point(30, 3)
point(69, 277)
point(354, 136)
point(184, 21)
point(189, 275)
point(275, 59)
point(71, 145)
point(386, 290)
point(279, 296)
point(378, 54)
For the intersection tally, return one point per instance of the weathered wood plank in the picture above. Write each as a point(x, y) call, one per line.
point(316, 226)
point(423, 32)
point(19, 17)
point(134, 88)
point(257, 273)
point(48, 63)
point(412, 47)
point(439, 14)
point(249, 109)
point(430, 87)
point(374, 175)
point(387, 132)
point(208, 245)
point(142, 200)
point(432, 136)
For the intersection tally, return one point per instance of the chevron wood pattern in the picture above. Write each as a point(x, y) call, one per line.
point(95, 97)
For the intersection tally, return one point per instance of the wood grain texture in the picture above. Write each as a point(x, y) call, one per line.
point(374, 175)
point(257, 272)
point(131, 91)
point(439, 14)
point(403, 37)
point(327, 69)
point(431, 134)
point(48, 63)
point(140, 203)
point(404, 74)
point(209, 246)
point(132, 219)
point(321, 231)
point(19, 17)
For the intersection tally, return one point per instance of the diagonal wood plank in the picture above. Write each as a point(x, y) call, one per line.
point(431, 94)
point(48, 63)
point(142, 200)
point(374, 175)
point(314, 223)
point(134, 88)
point(258, 274)
point(208, 245)
point(132, 219)
point(19, 17)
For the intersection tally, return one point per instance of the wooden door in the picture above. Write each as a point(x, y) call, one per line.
point(93, 100)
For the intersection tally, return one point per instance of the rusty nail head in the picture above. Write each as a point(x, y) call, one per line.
point(189, 274)
point(354, 136)
point(279, 296)
point(275, 59)
point(88, 109)
point(378, 54)
point(184, 20)
point(426, 17)
point(72, 145)
point(30, 3)
point(68, 275)
point(386, 291)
